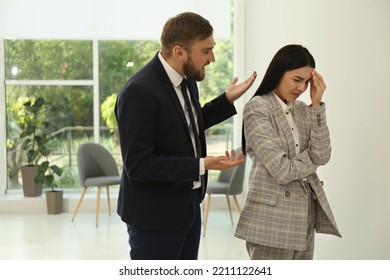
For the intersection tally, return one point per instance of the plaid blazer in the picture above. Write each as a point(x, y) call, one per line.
point(275, 213)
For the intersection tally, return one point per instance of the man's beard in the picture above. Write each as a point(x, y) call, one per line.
point(191, 72)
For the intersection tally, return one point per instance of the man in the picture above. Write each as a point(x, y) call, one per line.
point(164, 153)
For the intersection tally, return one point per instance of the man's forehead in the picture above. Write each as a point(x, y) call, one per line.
point(207, 43)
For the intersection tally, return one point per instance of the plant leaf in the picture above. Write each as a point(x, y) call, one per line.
point(43, 166)
point(39, 177)
point(39, 102)
point(57, 170)
point(49, 180)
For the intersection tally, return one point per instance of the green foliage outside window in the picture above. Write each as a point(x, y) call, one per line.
point(48, 60)
point(65, 60)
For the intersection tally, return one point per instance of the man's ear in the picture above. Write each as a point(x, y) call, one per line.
point(179, 53)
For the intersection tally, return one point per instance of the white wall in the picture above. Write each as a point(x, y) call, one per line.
point(351, 44)
point(103, 19)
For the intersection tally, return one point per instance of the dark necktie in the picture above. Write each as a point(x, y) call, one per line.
point(191, 115)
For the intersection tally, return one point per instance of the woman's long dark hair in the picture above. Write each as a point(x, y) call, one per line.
point(288, 58)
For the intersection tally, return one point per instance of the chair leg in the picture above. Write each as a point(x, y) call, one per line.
point(108, 198)
point(78, 204)
point(230, 208)
point(237, 205)
point(207, 214)
point(97, 205)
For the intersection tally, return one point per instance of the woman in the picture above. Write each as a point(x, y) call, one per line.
point(287, 141)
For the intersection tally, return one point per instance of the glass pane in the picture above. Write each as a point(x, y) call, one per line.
point(48, 60)
point(118, 60)
point(70, 121)
point(218, 77)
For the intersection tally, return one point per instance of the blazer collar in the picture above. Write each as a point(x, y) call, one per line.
point(173, 76)
point(167, 83)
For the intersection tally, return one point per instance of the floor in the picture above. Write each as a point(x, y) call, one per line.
point(40, 236)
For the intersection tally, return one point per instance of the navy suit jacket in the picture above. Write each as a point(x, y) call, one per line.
point(159, 165)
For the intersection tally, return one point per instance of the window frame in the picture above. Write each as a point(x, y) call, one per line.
point(94, 83)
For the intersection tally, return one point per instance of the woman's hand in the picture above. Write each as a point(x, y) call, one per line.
point(317, 88)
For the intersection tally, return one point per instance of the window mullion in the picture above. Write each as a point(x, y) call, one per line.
point(3, 146)
point(49, 82)
point(96, 101)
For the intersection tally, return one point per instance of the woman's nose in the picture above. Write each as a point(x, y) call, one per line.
point(302, 87)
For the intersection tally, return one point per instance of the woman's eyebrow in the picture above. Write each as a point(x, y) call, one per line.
point(301, 78)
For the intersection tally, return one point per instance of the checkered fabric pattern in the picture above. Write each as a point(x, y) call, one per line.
point(276, 208)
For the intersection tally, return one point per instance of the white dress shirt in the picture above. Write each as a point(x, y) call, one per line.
point(176, 80)
point(290, 119)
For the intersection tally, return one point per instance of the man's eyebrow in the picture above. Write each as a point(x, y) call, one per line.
point(209, 48)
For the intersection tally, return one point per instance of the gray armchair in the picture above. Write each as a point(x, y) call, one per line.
point(97, 168)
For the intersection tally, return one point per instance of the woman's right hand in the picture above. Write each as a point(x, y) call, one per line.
point(317, 88)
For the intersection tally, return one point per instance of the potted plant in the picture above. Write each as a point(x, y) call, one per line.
point(34, 135)
point(45, 176)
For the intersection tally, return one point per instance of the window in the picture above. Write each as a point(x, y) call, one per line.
point(80, 80)
point(60, 71)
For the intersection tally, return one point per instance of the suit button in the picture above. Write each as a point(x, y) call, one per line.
point(287, 194)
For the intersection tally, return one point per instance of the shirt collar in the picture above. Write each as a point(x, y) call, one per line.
point(175, 77)
point(286, 107)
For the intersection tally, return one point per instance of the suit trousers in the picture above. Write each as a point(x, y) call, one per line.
point(260, 252)
point(180, 244)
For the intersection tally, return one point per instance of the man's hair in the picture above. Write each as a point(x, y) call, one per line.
point(183, 29)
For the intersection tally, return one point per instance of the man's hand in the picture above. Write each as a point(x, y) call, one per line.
point(235, 91)
point(223, 162)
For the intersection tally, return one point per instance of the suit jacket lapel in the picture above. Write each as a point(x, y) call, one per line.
point(175, 100)
point(160, 72)
point(194, 90)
